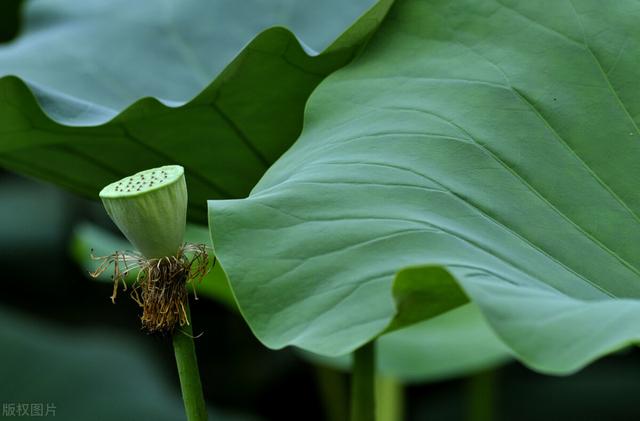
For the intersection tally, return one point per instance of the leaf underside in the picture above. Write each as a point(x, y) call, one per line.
point(496, 139)
point(80, 112)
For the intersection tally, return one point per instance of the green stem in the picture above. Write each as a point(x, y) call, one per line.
point(389, 399)
point(333, 389)
point(362, 384)
point(481, 396)
point(187, 363)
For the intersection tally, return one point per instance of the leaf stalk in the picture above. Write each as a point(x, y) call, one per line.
point(363, 383)
point(187, 363)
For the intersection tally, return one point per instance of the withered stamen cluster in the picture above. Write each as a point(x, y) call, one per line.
point(160, 287)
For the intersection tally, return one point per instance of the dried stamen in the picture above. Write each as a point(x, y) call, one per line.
point(160, 287)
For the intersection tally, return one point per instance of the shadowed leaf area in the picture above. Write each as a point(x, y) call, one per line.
point(96, 91)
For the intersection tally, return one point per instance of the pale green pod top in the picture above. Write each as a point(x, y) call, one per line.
point(150, 208)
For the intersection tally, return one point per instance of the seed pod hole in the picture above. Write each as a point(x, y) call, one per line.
point(143, 181)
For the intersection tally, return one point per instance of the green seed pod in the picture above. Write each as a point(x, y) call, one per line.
point(150, 208)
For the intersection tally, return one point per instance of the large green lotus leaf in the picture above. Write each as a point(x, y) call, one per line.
point(400, 354)
point(497, 139)
point(83, 374)
point(104, 89)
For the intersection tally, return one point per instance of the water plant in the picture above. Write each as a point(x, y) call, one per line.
point(474, 150)
point(150, 209)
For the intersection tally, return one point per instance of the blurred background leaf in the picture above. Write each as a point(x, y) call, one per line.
point(456, 344)
point(80, 112)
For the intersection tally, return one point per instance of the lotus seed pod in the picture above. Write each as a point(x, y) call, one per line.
point(150, 208)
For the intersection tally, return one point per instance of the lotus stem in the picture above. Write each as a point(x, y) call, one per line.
point(334, 392)
point(363, 383)
point(150, 209)
point(185, 351)
point(481, 399)
point(389, 399)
